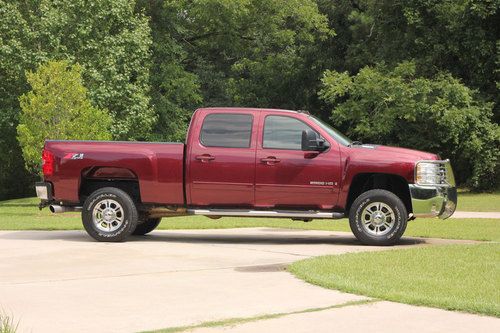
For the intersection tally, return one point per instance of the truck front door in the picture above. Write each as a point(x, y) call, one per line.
point(221, 161)
point(288, 177)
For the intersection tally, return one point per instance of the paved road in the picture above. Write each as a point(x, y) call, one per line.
point(61, 281)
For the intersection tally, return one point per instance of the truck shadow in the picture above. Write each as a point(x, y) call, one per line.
point(193, 238)
point(197, 237)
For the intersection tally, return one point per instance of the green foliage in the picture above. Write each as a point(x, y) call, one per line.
point(15, 57)
point(150, 63)
point(440, 114)
point(273, 63)
point(107, 38)
point(175, 91)
point(57, 108)
point(454, 35)
point(112, 43)
point(244, 52)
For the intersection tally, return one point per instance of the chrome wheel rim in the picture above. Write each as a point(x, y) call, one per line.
point(378, 219)
point(108, 215)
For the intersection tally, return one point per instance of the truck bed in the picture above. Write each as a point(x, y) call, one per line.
point(158, 167)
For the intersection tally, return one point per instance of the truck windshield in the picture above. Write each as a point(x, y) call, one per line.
point(335, 134)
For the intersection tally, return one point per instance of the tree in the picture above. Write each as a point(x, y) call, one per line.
point(150, 63)
point(456, 36)
point(231, 52)
point(175, 92)
point(112, 43)
point(441, 115)
point(15, 58)
point(57, 108)
point(107, 38)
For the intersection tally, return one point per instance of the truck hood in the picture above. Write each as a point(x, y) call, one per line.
point(393, 153)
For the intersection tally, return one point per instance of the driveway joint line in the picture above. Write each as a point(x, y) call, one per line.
point(142, 274)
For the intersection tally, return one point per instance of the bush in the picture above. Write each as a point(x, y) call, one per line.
point(440, 115)
point(57, 108)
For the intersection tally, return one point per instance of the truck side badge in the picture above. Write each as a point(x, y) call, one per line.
point(73, 156)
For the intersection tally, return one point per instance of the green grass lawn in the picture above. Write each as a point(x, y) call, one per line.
point(478, 202)
point(22, 214)
point(453, 277)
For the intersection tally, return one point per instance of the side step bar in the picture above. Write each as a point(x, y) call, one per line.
point(267, 213)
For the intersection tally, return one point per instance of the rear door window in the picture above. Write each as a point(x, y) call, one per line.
point(229, 130)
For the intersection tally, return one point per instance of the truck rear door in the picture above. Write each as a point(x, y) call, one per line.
point(221, 159)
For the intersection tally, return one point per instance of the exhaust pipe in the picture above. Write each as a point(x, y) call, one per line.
point(56, 209)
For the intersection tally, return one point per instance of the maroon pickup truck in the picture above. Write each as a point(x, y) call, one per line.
point(246, 162)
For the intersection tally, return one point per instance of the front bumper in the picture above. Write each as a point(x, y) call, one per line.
point(432, 201)
point(438, 199)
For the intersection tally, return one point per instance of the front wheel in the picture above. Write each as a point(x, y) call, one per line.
point(109, 215)
point(378, 217)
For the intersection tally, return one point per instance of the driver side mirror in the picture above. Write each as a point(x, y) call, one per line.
point(312, 142)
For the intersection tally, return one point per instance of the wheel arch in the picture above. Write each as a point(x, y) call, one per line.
point(97, 177)
point(369, 181)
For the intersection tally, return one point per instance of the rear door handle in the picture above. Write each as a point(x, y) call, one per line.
point(205, 158)
point(270, 160)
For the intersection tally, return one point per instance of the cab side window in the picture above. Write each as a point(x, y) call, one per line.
point(229, 130)
point(282, 132)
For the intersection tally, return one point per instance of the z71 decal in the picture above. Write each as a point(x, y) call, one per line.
point(73, 156)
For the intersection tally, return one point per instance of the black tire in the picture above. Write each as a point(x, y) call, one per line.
point(116, 199)
point(378, 217)
point(146, 227)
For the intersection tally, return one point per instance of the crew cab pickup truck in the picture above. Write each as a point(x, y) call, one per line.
point(246, 162)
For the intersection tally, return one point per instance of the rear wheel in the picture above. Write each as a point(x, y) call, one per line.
point(109, 215)
point(378, 217)
point(146, 227)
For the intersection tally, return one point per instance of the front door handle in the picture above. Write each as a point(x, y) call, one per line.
point(270, 160)
point(205, 158)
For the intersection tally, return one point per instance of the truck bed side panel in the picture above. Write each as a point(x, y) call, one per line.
point(158, 167)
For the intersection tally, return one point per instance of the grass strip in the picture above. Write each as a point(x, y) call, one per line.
point(243, 320)
point(22, 214)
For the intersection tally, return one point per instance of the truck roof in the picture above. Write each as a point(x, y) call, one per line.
point(229, 109)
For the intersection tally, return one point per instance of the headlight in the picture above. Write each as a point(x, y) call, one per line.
point(430, 173)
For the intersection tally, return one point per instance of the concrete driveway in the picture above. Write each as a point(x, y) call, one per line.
point(62, 281)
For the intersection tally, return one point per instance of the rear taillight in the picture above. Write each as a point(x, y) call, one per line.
point(47, 163)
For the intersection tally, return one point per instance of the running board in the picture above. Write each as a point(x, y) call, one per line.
point(267, 213)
